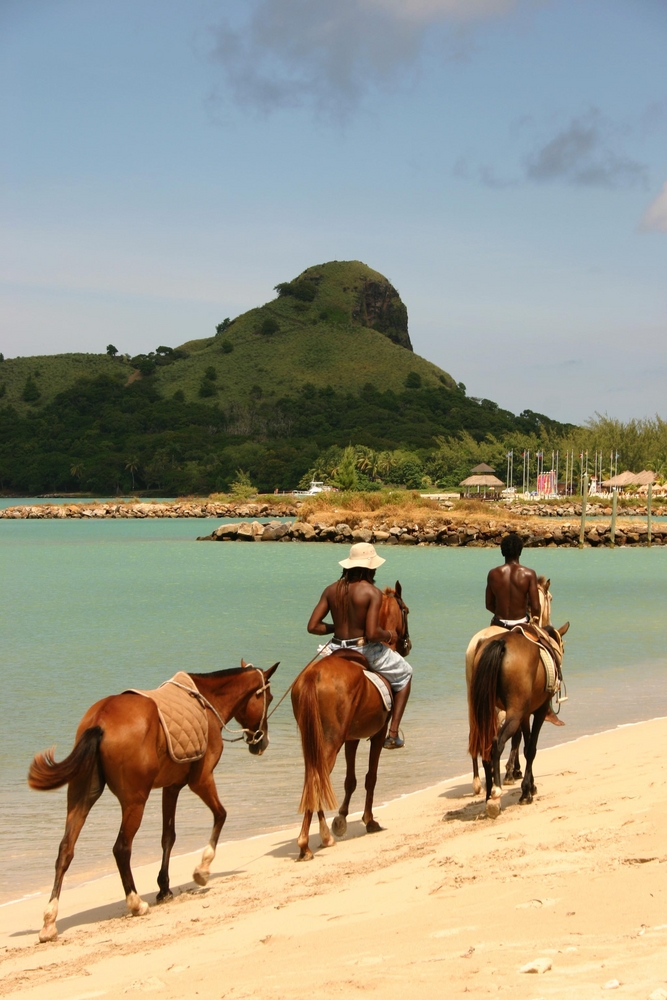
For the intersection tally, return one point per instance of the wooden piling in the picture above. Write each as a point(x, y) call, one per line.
point(649, 497)
point(614, 505)
point(584, 498)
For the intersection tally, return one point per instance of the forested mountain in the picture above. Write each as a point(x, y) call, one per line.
point(276, 392)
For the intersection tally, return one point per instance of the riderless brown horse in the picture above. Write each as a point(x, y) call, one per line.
point(509, 675)
point(335, 704)
point(513, 769)
point(120, 742)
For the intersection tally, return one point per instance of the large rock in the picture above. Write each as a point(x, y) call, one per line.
point(274, 531)
point(226, 531)
point(303, 531)
point(361, 535)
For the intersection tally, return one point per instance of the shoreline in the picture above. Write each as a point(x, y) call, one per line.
point(569, 886)
point(92, 878)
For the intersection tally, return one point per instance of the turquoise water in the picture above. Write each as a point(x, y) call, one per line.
point(91, 608)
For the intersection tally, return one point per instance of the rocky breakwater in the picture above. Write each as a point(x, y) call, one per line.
point(574, 510)
point(435, 531)
point(198, 508)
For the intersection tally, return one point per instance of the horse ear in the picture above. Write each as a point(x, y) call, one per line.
point(243, 663)
point(398, 589)
point(563, 629)
point(547, 584)
point(271, 671)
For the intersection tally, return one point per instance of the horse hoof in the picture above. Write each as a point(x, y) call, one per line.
point(509, 779)
point(493, 808)
point(164, 896)
point(49, 932)
point(201, 877)
point(339, 825)
point(533, 790)
point(305, 856)
point(136, 905)
point(526, 800)
point(373, 827)
point(476, 786)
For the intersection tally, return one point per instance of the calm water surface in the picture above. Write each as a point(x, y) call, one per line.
point(91, 608)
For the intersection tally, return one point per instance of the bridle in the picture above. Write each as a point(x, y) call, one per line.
point(403, 643)
point(250, 737)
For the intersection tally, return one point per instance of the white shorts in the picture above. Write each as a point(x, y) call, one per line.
point(389, 663)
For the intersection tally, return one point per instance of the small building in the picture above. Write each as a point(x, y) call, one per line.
point(484, 482)
point(482, 470)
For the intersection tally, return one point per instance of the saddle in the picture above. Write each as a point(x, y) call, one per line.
point(377, 680)
point(550, 654)
point(183, 717)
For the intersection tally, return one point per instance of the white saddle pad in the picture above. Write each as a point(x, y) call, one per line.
point(385, 693)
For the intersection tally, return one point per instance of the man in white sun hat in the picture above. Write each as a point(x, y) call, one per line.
point(354, 604)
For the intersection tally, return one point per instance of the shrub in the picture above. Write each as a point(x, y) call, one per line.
point(269, 327)
point(146, 367)
point(304, 290)
point(413, 380)
point(211, 374)
point(112, 351)
point(206, 388)
point(256, 392)
point(179, 396)
point(31, 391)
point(221, 327)
point(3, 389)
point(242, 486)
point(2, 357)
point(227, 347)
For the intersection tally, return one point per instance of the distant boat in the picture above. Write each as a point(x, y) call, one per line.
point(315, 487)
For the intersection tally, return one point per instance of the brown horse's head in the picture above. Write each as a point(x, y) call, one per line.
point(394, 616)
point(252, 711)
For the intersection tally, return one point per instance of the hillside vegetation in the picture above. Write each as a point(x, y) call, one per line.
point(322, 380)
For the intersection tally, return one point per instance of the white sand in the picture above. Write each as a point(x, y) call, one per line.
point(424, 909)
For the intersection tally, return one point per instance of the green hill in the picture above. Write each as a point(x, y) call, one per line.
point(276, 391)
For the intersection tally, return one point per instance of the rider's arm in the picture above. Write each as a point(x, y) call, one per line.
point(316, 625)
point(373, 631)
point(490, 596)
point(534, 597)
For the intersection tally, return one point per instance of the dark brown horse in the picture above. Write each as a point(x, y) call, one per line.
point(120, 742)
point(335, 704)
point(508, 675)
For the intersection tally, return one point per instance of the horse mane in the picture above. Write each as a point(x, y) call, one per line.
point(230, 672)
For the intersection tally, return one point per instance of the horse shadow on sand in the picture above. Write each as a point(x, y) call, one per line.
point(476, 809)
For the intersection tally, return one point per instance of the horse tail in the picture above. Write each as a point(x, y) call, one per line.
point(45, 773)
point(318, 791)
point(483, 695)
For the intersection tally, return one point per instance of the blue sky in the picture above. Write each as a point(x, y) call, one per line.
point(165, 163)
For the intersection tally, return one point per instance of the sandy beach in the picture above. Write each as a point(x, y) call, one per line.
point(443, 902)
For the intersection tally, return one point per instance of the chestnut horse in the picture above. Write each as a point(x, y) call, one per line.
point(335, 704)
point(120, 742)
point(513, 770)
point(509, 675)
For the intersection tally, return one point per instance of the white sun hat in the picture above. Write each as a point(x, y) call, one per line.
point(363, 555)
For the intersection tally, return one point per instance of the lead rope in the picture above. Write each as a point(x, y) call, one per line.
point(319, 653)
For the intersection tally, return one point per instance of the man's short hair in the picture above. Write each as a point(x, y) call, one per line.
point(511, 546)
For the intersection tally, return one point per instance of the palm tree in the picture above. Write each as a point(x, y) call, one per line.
point(132, 464)
point(75, 469)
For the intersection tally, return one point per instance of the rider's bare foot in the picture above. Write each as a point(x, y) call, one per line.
point(553, 718)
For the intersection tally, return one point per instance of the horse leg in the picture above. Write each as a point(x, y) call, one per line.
point(513, 769)
point(528, 788)
point(507, 731)
point(377, 742)
point(169, 799)
point(488, 777)
point(302, 840)
point(476, 783)
point(122, 850)
point(339, 825)
point(81, 797)
point(325, 832)
point(206, 790)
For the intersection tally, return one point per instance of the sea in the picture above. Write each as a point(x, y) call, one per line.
point(90, 608)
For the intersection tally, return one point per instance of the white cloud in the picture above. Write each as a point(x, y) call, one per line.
point(655, 216)
point(294, 53)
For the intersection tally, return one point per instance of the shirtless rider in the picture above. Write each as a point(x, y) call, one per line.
point(512, 595)
point(354, 603)
point(511, 590)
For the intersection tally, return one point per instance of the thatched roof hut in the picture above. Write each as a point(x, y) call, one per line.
point(488, 482)
point(630, 479)
point(481, 469)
